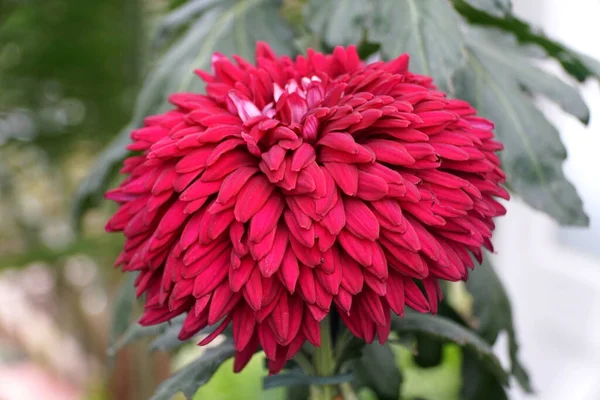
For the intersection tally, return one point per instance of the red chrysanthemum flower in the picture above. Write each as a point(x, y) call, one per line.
point(295, 186)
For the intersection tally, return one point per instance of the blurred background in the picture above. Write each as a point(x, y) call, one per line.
point(69, 73)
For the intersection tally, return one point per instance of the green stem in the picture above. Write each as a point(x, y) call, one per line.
point(347, 391)
point(304, 363)
point(324, 362)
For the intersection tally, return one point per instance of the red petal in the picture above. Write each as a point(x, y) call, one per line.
point(306, 285)
point(352, 276)
point(390, 152)
point(414, 296)
point(345, 176)
point(371, 187)
point(311, 329)
point(223, 301)
point(234, 182)
point(372, 303)
point(280, 319)
point(360, 220)
point(242, 358)
point(358, 249)
point(344, 300)
point(289, 270)
point(304, 236)
point(208, 279)
point(220, 329)
point(268, 341)
point(265, 220)
point(253, 292)
point(239, 276)
point(303, 156)
point(252, 198)
point(339, 141)
point(335, 220)
point(271, 262)
point(262, 248)
point(243, 327)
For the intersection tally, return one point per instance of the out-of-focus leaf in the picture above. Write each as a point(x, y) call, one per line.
point(136, 332)
point(592, 65)
point(191, 377)
point(446, 329)
point(338, 22)
point(347, 347)
point(429, 351)
point(230, 27)
point(297, 393)
point(367, 394)
point(181, 16)
point(493, 311)
point(497, 8)
point(441, 382)
point(66, 68)
point(167, 335)
point(533, 153)
point(225, 384)
point(377, 370)
point(90, 191)
point(428, 30)
point(300, 378)
point(580, 66)
point(122, 308)
point(106, 246)
point(169, 338)
point(508, 56)
point(478, 383)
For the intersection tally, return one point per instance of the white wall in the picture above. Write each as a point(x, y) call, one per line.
point(551, 273)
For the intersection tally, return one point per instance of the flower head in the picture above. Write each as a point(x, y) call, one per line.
point(295, 186)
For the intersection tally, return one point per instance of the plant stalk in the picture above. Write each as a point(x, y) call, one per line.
point(324, 363)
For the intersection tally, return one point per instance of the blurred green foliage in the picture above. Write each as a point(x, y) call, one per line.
point(225, 385)
point(72, 65)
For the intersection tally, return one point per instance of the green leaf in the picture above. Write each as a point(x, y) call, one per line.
point(503, 50)
point(347, 347)
point(428, 30)
point(592, 65)
point(580, 66)
point(228, 27)
point(136, 332)
point(297, 393)
point(181, 16)
point(133, 334)
point(367, 394)
point(338, 22)
point(497, 8)
point(123, 307)
point(90, 191)
point(191, 377)
point(429, 351)
point(442, 382)
point(299, 378)
point(493, 311)
point(446, 329)
point(533, 153)
point(377, 370)
point(169, 337)
point(247, 384)
point(478, 383)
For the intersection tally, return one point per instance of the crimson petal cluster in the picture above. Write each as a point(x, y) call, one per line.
point(295, 186)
